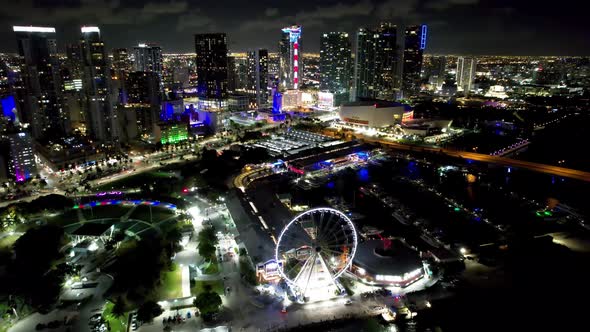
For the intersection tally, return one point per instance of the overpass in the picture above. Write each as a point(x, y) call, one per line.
point(532, 166)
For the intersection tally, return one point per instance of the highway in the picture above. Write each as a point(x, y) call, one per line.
point(532, 166)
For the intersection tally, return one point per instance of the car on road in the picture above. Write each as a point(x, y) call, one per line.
point(348, 302)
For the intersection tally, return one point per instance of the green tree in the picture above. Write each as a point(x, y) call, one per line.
point(208, 303)
point(35, 272)
point(118, 307)
point(206, 250)
point(148, 311)
point(208, 235)
point(207, 241)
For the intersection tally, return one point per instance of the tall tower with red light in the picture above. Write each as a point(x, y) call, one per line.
point(289, 57)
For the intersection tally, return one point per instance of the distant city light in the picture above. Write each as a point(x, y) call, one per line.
point(32, 29)
point(90, 29)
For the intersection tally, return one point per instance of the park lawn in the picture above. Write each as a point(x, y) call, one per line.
point(199, 287)
point(171, 287)
point(135, 181)
point(7, 241)
point(64, 219)
point(213, 267)
point(116, 323)
point(105, 211)
point(142, 212)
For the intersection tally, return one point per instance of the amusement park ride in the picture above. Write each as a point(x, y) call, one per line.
point(315, 249)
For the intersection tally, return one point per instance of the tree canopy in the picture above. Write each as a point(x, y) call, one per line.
point(208, 303)
point(148, 311)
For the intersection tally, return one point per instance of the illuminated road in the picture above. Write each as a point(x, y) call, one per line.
point(536, 167)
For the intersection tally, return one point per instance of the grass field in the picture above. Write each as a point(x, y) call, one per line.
point(106, 211)
point(216, 286)
point(171, 286)
point(64, 219)
point(142, 212)
point(213, 268)
point(136, 180)
point(116, 323)
point(7, 241)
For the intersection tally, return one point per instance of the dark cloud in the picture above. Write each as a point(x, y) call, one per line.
point(456, 26)
point(270, 12)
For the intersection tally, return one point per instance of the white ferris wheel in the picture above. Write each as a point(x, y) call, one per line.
point(317, 247)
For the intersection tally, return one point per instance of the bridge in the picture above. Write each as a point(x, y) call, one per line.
point(532, 166)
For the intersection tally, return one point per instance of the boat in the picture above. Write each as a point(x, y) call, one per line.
point(429, 240)
point(402, 219)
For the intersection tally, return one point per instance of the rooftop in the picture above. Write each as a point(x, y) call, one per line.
point(377, 103)
point(396, 260)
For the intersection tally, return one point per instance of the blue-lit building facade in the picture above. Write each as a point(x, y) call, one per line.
point(17, 155)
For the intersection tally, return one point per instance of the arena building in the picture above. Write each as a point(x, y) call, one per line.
point(387, 263)
point(374, 113)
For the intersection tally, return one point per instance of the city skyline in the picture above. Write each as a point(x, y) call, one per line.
point(457, 26)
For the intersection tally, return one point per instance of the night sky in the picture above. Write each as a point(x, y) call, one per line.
point(520, 27)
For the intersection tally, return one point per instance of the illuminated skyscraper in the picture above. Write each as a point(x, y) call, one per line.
point(101, 119)
point(258, 76)
point(74, 61)
point(121, 61)
point(290, 66)
point(376, 63)
point(211, 63)
point(141, 104)
point(466, 73)
point(414, 44)
point(148, 58)
point(41, 100)
point(20, 156)
point(335, 65)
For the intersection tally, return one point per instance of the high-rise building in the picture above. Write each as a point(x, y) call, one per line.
point(211, 63)
point(437, 71)
point(74, 61)
point(102, 122)
point(376, 60)
point(466, 73)
point(20, 156)
point(258, 76)
point(148, 58)
point(41, 99)
point(140, 104)
point(121, 61)
point(335, 65)
point(232, 75)
point(414, 44)
point(290, 64)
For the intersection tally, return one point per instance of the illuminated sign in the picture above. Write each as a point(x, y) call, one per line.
point(407, 116)
point(294, 33)
point(423, 36)
point(325, 99)
point(32, 29)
